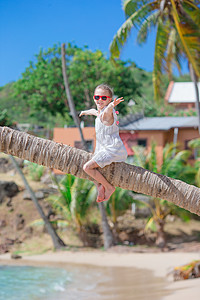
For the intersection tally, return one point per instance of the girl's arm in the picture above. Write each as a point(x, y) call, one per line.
point(107, 115)
point(90, 112)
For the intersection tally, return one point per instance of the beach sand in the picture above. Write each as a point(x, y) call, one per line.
point(122, 276)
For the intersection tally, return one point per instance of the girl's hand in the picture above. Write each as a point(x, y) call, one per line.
point(117, 101)
point(81, 114)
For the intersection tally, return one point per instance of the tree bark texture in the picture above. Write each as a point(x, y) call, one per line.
point(108, 236)
point(71, 160)
point(195, 81)
point(69, 97)
point(57, 241)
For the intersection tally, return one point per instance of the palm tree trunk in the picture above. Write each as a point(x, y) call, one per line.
point(57, 242)
point(69, 97)
point(108, 236)
point(194, 79)
point(160, 235)
point(71, 160)
point(77, 122)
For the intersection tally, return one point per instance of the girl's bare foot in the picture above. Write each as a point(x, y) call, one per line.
point(101, 193)
point(108, 192)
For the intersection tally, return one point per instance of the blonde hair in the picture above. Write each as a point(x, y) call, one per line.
point(106, 87)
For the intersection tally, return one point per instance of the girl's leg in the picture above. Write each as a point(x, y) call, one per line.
point(101, 191)
point(91, 169)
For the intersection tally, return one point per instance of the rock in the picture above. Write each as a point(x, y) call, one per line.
point(5, 165)
point(123, 236)
point(19, 222)
point(28, 231)
point(39, 195)
point(3, 249)
point(2, 223)
point(9, 242)
point(15, 256)
point(46, 179)
point(8, 189)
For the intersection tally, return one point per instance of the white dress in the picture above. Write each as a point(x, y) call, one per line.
point(109, 146)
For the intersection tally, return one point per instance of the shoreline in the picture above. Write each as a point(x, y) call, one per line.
point(160, 265)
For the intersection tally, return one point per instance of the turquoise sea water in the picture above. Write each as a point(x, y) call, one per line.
point(79, 282)
point(32, 283)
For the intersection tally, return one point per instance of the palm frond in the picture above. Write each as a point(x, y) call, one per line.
point(168, 152)
point(159, 56)
point(123, 32)
point(130, 6)
point(175, 166)
point(192, 10)
point(179, 53)
point(139, 156)
point(83, 193)
point(146, 26)
point(194, 143)
point(170, 52)
point(151, 225)
point(152, 159)
point(189, 35)
point(197, 178)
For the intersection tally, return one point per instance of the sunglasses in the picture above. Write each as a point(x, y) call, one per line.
point(97, 97)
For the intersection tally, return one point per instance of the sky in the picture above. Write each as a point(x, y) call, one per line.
point(28, 26)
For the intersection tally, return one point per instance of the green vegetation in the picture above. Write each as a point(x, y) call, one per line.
point(177, 35)
point(34, 171)
point(175, 165)
point(38, 97)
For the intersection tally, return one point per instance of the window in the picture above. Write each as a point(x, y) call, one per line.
point(142, 142)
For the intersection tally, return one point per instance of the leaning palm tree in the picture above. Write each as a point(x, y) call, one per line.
point(71, 160)
point(108, 237)
point(177, 24)
point(57, 241)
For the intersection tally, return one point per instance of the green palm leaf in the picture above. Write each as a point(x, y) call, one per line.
point(159, 54)
point(151, 225)
point(189, 35)
point(168, 152)
point(194, 143)
point(170, 52)
point(139, 156)
point(152, 159)
point(123, 32)
point(83, 194)
point(146, 27)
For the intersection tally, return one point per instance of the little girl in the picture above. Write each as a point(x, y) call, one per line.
point(109, 146)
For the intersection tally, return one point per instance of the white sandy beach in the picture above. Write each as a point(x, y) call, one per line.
point(159, 263)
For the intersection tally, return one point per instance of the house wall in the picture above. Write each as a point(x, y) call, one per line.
point(154, 136)
point(69, 136)
point(148, 135)
point(187, 134)
point(183, 105)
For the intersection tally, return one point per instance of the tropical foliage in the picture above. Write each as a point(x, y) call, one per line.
point(5, 119)
point(175, 165)
point(34, 171)
point(188, 271)
point(118, 203)
point(177, 33)
point(41, 88)
point(76, 196)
